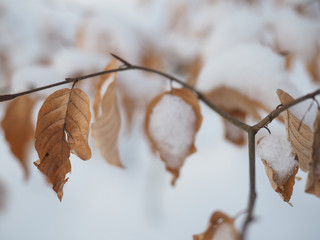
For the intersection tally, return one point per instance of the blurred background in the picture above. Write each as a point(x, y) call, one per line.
point(252, 47)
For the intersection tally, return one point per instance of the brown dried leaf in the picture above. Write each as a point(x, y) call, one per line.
point(178, 16)
point(284, 188)
point(193, 70)
point(300, 139)
point(237, 105)
point(288, 61)
point(233, 133)
point(280, 165)
point(162, 146)
point(18, 128)
point(219, 227)
point(129, 105)
point(231, 100)
point(313, 181)
point(313, 65)
point(62, 126)
point(114, 64)
point(152, 57)
point(105, 130)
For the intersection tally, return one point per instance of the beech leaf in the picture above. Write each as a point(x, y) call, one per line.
point(18, 128)
point(313, 180)
point(129, 105)
point(237, 105)
point(62, 126)
point(299, 134)
point(280, 166)
point(221, 227)
point(114, 64)
point(105, 130)
point(172, 121)
point(284, 189)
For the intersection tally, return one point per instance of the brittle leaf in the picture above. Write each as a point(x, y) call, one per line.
point(299, 134)
point(18, 128)
point(105, 130)
point(238, 106)
point(313, 181)
point(231, 100)
point(62, 126)
point(281, 168)
point(172, 121)
point(284, 189)
point(113, 64)
point(220, 227)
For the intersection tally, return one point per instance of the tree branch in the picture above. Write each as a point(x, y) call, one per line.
point(128, 67)
point(275, 113)
point(251, 130)
point(252, 182)
point(200, 96)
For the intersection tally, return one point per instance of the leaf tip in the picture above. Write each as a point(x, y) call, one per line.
point(58, 188)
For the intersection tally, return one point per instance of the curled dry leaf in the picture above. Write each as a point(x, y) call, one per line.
point(114, 64)
point(313, 65)
point(284, 188)
point(299, 134)
point(129, 106)
point(152, 57)
point(313, 181)
point(18, 128)
point(281, 168)
point(221, 227)
point(193, 70)
point(172, 121)
point(105, 130)
point(288, 61)
point(237, 105)
point(62, 126)
point(233, 133)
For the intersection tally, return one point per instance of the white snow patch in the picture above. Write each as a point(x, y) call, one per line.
point(70, 61)
point(224, 232)
point(31, 76)
point(276, 151)
point(253, 69)
point(296, 33)
point(234, 25)
point(171, 126)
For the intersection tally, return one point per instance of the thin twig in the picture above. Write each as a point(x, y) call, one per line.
point(121, 60)
point(252, 185)
point(266, 127)
point(304, 115)
point(8, 97)
point(275, 113)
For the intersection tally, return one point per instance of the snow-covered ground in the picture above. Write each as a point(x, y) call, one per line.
point(138, 202)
